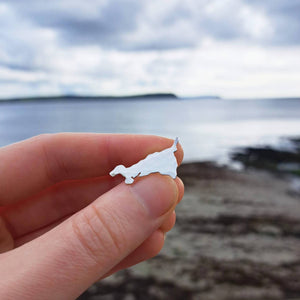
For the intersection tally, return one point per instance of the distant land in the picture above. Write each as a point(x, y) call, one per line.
point(153, 96)
point(204, 97)
point(150, 96)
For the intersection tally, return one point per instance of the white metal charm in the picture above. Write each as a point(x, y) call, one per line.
point(163, 162)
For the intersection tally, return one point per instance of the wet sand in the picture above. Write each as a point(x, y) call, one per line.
point(237, 236)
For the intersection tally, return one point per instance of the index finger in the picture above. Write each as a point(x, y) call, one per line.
point(34, 164)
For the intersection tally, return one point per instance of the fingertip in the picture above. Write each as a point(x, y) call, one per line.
point(158, 239)
point(180, 187)
point(169, 223)
point(179, 154)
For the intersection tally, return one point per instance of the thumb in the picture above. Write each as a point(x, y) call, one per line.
point(64, 262)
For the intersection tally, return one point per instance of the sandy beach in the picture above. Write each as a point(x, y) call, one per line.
point(237, 236)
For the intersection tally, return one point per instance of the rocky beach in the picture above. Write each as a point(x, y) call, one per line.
point(237, 236)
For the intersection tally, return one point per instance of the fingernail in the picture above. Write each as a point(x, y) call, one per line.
point(156, 193)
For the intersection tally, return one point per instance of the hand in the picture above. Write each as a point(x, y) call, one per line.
point(64, 223)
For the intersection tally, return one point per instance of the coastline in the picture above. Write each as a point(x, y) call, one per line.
point(237, 236)
point(74, 98)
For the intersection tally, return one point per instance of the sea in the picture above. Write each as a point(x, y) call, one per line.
point(207, 129)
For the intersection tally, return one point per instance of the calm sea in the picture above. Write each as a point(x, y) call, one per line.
point(207, 129)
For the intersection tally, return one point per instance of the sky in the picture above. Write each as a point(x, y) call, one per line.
point(230, 48)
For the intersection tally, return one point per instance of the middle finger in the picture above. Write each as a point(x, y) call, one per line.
point(54, 203)
point(58, 202)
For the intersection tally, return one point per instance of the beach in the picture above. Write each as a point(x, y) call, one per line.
point(237, 236)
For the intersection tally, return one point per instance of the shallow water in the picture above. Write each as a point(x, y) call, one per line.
point(207, 129)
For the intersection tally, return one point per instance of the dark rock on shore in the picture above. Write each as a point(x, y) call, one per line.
point(272, 159)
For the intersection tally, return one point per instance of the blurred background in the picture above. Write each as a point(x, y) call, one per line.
point(223, 76)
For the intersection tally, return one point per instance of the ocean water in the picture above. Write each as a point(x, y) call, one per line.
point(207, 129)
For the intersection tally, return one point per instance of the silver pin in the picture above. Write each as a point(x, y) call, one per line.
point(163, 162)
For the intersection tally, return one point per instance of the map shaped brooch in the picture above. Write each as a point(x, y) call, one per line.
point(163, 162)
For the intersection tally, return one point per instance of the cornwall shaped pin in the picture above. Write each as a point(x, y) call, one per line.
point(163, 162)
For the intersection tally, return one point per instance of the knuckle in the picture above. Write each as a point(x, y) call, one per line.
point(99, 233)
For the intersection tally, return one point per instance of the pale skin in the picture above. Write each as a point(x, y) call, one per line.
point(65, 223)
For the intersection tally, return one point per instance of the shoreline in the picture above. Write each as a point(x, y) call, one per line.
point(237, 236)
point(76, 98)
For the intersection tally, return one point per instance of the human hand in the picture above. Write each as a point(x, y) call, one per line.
point(64, 223)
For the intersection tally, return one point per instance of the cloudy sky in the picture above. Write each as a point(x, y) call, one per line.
point(232, 48)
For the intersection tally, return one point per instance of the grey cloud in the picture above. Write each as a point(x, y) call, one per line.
point(277, 6)
point(104, 26)
point(284, 17)
point(19, 55)
point(23, 66)
point(115, 19)
point(117, 24)
point(227, 24)
point(109, 26)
